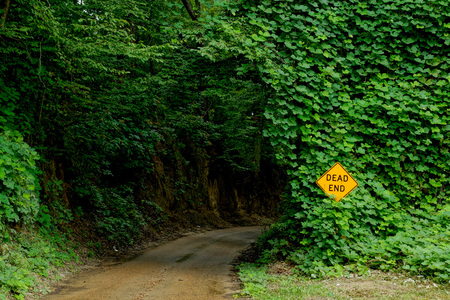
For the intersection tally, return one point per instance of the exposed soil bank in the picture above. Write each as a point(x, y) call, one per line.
point(196, 266)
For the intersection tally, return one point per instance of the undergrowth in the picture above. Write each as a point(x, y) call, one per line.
point(421, 247)
point(31, 256)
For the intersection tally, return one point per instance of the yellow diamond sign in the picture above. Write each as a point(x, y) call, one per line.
point(337, 182)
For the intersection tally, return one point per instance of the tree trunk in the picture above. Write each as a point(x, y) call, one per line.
point(190, 10)
point(5, 13)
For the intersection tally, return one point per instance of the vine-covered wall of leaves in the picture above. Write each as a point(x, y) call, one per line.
point(364, 83)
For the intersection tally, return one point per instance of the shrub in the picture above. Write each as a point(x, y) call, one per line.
point(19, 196)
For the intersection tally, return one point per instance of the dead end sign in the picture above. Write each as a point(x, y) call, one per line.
point(337, 182)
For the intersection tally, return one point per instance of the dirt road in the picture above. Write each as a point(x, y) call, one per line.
point(192, 268)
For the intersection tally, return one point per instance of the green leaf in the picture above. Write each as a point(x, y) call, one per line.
point(435, 183)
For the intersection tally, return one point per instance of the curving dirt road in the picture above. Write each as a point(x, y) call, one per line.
point(192, 267)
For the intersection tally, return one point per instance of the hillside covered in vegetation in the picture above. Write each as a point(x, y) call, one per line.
point(120, 116)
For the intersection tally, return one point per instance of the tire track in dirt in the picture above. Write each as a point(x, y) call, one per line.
point(192, 267)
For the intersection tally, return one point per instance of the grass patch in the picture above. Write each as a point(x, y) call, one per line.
point(276, 281)
point(30, 259)
point(260, 283)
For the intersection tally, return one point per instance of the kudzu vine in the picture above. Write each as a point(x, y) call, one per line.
point(365, 83)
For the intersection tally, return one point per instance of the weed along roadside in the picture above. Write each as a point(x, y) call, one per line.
point(280, 281)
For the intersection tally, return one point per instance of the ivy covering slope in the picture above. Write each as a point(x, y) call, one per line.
point(365, 83)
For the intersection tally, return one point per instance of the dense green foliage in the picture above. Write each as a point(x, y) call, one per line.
point(18, 175)
point(101, 88)
point(103, 91)
point(365, 83)
point(106, 92)
point(112, 92)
